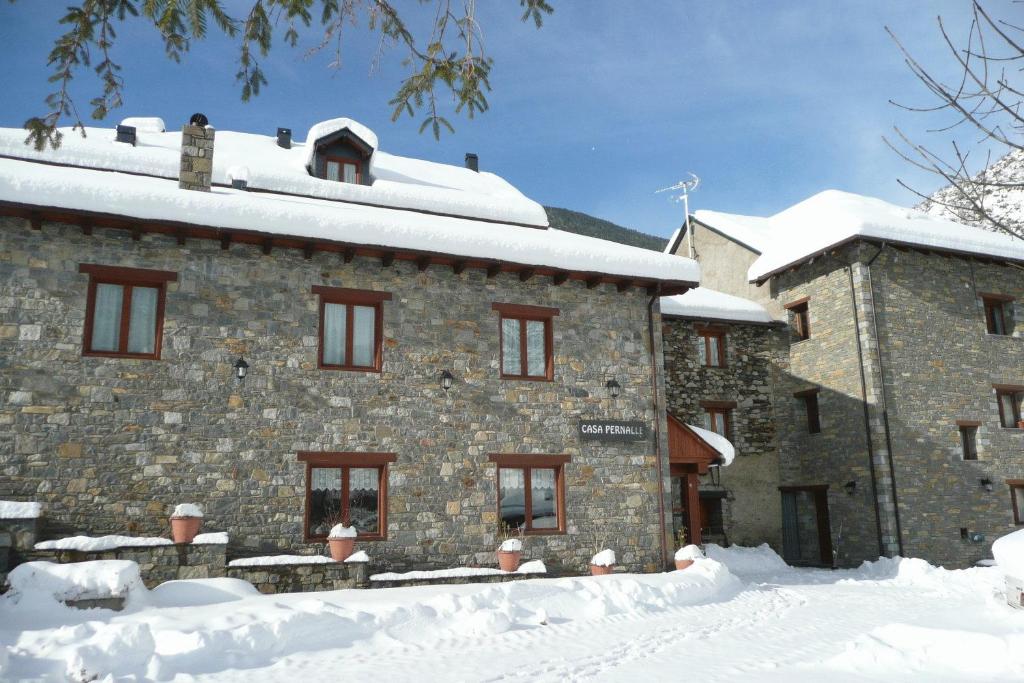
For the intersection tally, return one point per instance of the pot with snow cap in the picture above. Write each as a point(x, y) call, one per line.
point(603, 563)
point(686, 556)
point(510, 552)
point(186, 520)
point(342, 541)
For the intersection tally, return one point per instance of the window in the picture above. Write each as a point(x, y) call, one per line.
point(711, 518)
point(810, 400)
point(801, 318)
point(531, 492)
point(351, 328)
point(346, 488)
point(526, 341)
point(1009, 399)
point(711, 346)
point(124, 311)
point(997, 313)
point(716, 419)
point(343, 170)
point(968, 439)
point(1017, 499)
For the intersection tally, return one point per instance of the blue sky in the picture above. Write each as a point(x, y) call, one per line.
point(768, 102)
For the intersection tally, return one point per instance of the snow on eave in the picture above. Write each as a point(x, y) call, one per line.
point(674, 240)
point(733, 227)
point(717, 442)
point(703, 303)
point(111, 194)
point(832, 219)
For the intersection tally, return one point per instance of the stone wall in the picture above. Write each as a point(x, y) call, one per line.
point(828, 360)
point(157, 563)
point(111, 444)
point(931, 328)
point(303, 578)
point(751, 510)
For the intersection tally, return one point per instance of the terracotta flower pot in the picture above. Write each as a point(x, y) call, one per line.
point(508, 560)
point(1020, 424)
point(597, 570)
point(184, 529)
point(341, 548)
point(683, 564)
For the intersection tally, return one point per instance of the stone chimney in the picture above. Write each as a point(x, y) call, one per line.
point(196, 155)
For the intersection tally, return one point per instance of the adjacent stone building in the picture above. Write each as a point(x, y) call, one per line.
point(326, 333)
point(898, 400)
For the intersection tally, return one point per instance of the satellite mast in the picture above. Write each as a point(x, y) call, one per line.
point(681, 193)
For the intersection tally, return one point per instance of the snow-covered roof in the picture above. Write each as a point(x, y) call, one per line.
point(399, 182)
point(832, 217)
point(718, 442)
point(749, 231)
point(481, 215)
point(709, 304)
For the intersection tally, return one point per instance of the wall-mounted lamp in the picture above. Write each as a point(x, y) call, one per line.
point(986, 484)
point(241, 369)
point(446, 381)
point(850, 487)
point(614, 388)
point(715, 470)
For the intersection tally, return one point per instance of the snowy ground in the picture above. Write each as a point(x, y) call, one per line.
point(891, 620)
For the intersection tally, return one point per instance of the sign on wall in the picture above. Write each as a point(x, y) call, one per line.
point(612, 430)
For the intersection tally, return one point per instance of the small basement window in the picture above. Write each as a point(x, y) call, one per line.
point(1009, 400)
point(997, 313)
point(810, 401)
point(124, 311)
point(800, 318)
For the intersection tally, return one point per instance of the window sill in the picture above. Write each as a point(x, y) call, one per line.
point(114, 354)
point(544, 532)
point(992, 335)
point(526, 378)
point(349, 368)
point(799, 341)
point(360, 537)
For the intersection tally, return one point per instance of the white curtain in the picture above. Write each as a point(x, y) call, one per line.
point(535, 360)
point(511, 363)
point(363, 323)
point(106, 318)
point(349, 173)
point(142, 321)
point(542, 499)
point(334, 334)
point(333, 170)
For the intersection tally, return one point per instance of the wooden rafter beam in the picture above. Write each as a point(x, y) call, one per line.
point(593, 282)
point(307, 250)
point(387, 259)
point(268, 244)
point(559, 278)
point(225, 241)
point(181, 235)
point(525, 274)
point(36, 220)
point(136, 233)
point(86, 226)
point(624, 285)
point(422, 263)
point(458, 267)
point(493, 270)
point(348, 254)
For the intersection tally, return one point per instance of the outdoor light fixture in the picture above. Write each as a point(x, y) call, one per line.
point(987, 484)
point(614, 388)
point(850, 487)
point(715, 470)
point(241, 369)
point(446, 380)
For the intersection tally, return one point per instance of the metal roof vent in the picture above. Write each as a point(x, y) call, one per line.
point(284, 138)
point(472, 162)
point(126, 134)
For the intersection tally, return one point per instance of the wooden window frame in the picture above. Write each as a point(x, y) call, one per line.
point(128, 278)
point(801, 317)
point(346, 461)
point(725, 412)
point(349, 298)
point(1016, 392)
point(993, 305)
point(341, 171)
point(709, 336)
point(1018, 514)
point(806, 395)
point(524, 313)
point(518, 461)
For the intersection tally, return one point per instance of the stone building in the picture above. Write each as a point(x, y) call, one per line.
point(898, 400)
point(295, 334)
point(720, 355)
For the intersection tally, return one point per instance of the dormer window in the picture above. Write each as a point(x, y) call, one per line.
point(339, 152)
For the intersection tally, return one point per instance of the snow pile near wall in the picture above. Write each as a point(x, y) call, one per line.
point(13, 509)
point(272, 560)
point(832, 217)
point(710, 304)
point(753, 231)
point(208, 639)
point(718, 442)
point(534, 567)
point(358, 556)
point(100, 543)
point(742, 560)
point(689, 552)
point(1008, 552)
point(212, 538)
point(58, 582)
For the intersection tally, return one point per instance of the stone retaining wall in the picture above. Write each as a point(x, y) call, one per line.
point(157, 563)
point(302, 578)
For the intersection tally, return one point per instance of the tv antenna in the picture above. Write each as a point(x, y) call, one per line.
point(681, 193)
